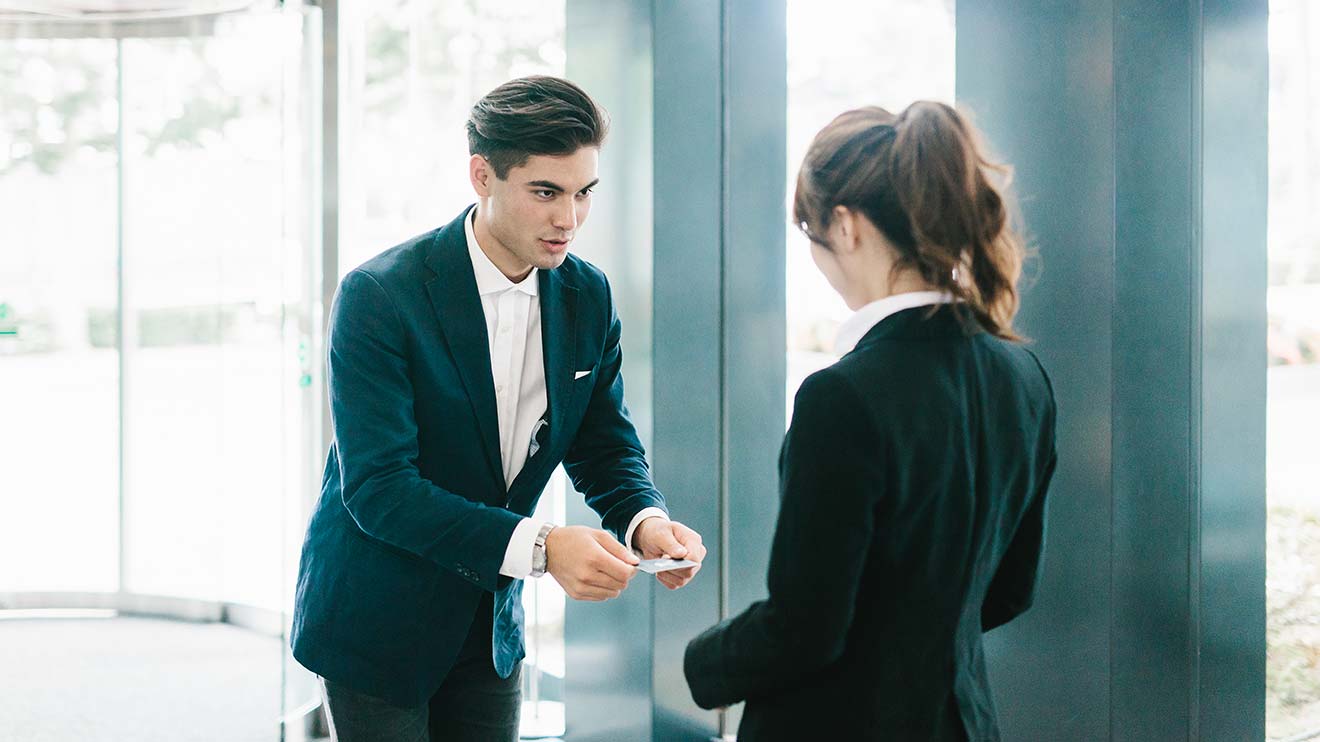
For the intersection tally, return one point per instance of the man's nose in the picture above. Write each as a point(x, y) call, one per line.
point(566, 217)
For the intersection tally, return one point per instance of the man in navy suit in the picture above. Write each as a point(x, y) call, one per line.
point(464, 366)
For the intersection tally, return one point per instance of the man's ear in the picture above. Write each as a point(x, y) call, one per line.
point(480, 173)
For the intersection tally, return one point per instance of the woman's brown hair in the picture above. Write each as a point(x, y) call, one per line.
point(922, 179)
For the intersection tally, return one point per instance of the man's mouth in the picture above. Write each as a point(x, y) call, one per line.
point(555, 245)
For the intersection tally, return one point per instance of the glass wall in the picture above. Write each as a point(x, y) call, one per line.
point(158, 379)
point(162, 178)
point(211, 279)
point(843, 55)
point(1293, 396)
point(59, 367)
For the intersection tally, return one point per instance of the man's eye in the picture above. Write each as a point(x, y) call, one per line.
point(585, 192)
point(544, 193)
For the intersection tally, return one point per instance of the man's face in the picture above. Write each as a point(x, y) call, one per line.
point(534, 212)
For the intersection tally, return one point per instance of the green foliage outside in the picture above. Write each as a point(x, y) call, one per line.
point(1293, 608)
point(60, 96)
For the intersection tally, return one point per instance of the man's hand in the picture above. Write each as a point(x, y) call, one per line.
point(588, 563)
point(657, 537)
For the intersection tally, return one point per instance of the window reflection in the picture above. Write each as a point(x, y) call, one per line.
point(1293, 391)
point(59, 367)
point(205, 355)
point(844, 54)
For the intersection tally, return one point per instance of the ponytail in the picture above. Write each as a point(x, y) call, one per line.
point(922, 180)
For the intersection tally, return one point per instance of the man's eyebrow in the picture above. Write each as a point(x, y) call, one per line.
point(556, 187)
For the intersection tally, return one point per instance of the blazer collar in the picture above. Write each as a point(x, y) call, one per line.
point(856, 327)
point(457, 305)
point(929, 322)
point(559, 320)
point(559, 341)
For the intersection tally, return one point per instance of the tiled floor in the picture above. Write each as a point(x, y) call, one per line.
point(136, 680)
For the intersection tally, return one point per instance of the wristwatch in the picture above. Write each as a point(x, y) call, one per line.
point(538, 550)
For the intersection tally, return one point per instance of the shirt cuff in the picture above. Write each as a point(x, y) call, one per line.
point(518, 554)
point(642, 515)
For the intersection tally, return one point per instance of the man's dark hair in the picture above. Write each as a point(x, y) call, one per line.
point(537, 115)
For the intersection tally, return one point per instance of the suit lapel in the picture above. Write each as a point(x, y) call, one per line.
point(559, 342)
point(559, 347)
point(457, 305)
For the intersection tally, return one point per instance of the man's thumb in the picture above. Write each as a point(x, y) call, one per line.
point(670, 545)
point(615, 548)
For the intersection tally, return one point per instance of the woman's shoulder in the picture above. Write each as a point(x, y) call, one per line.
point(834, 386)
point(1023, 362)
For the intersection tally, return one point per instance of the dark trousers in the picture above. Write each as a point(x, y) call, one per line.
point(474, 704)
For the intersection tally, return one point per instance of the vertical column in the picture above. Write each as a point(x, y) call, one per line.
point(720, 122)
point(754, 284)
point(689, 459)
point(1037, 76)
point(607, 690)
point(1230, 353)
point(755, 336)
point(1153, 569)
point(331, 88)
point(1138, 132)
point(125, 319)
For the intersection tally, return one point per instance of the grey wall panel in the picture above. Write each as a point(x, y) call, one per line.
point(1232, 360)
point(754, 285)
point(1037, 77)
point(720, 121)
point(689, 312)
point(607, 685)
point(755, 290)
point(1153, 665)
point(1138, 131)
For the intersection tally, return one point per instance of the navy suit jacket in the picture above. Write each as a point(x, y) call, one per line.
point(912, 520)
point(414, 516)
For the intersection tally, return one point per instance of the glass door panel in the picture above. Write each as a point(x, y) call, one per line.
point(59, 367)
point(207, 363)
point(894, 53)
point(1292, 585)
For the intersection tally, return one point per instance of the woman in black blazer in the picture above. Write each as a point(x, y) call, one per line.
point(913, 475)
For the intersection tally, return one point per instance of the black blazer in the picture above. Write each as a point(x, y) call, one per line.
point(414, 517)
point(912, 519)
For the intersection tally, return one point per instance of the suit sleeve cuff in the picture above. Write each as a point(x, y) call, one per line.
point(703, 667)
point(518, 554)
point(642, 515)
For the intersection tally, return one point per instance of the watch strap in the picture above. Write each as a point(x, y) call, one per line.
point(539, 560)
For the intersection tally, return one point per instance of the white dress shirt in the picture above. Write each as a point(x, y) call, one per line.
point(517, 365)
point(855, 327)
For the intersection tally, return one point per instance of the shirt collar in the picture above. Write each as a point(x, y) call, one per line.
point(490, 280)
point(855, 327)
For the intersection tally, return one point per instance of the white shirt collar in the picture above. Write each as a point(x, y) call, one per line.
point(490, 279)
point(855, 327)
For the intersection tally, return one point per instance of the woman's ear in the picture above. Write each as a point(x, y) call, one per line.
point(843, 222)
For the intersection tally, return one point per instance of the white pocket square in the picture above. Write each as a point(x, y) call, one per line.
point(579, 374)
